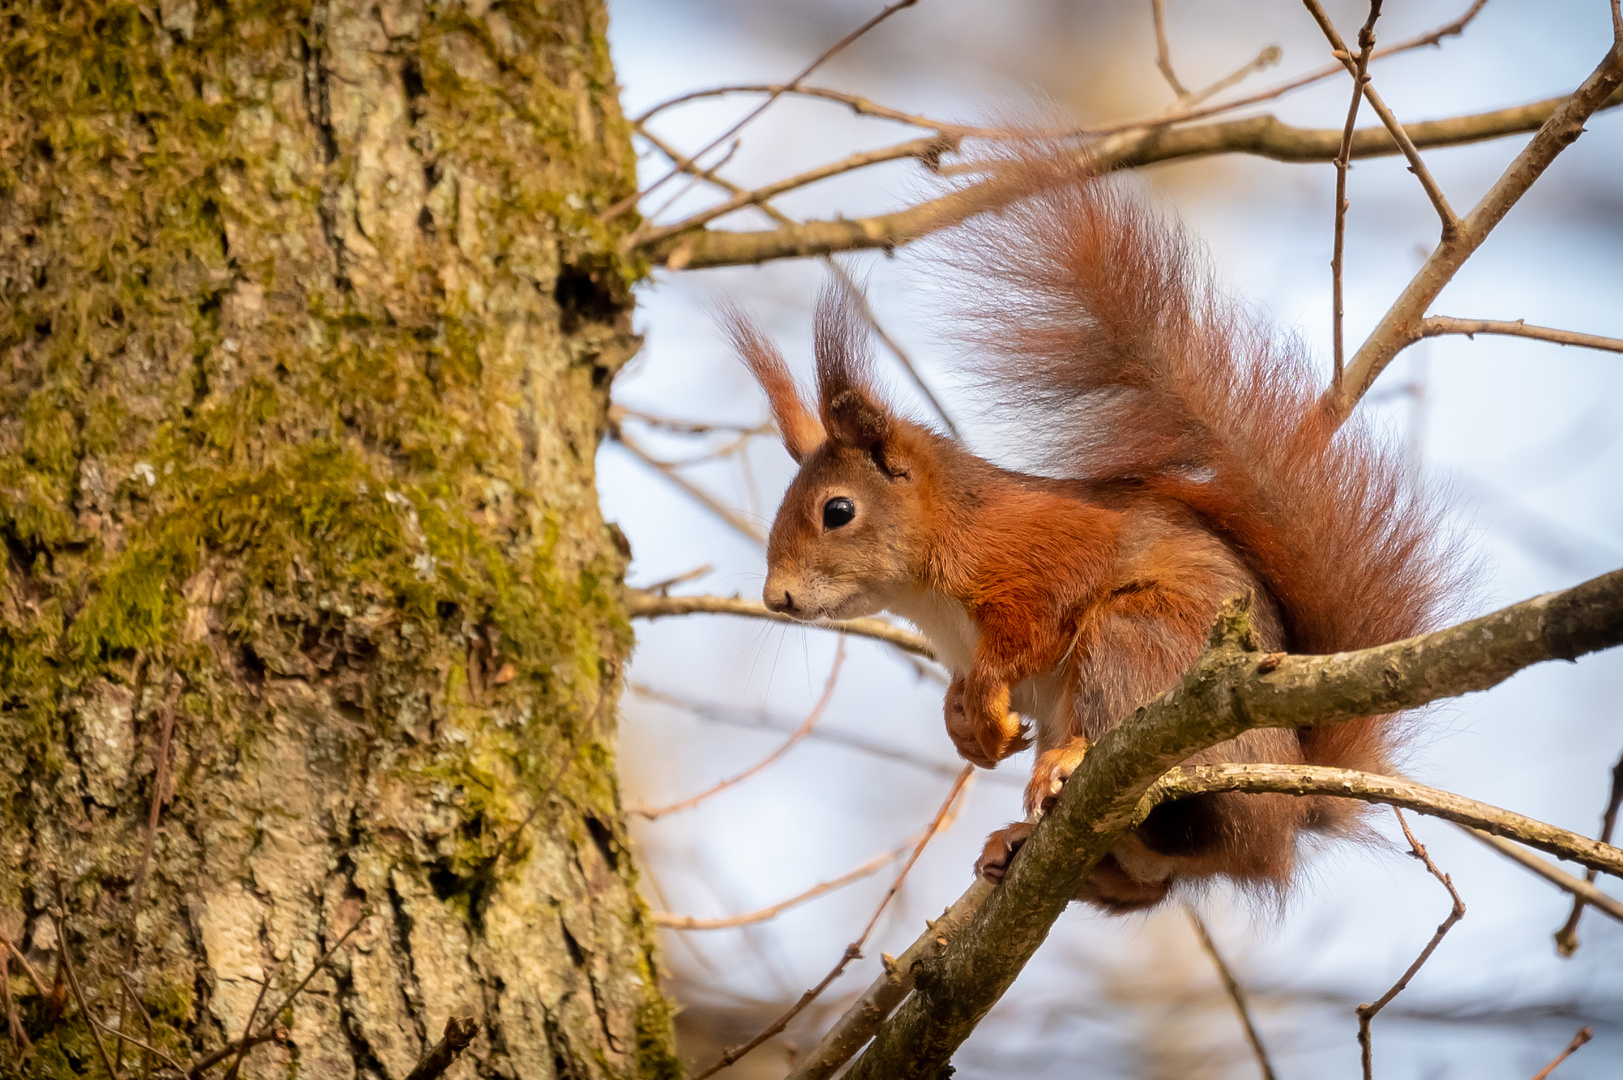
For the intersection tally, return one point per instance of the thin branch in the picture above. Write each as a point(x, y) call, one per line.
point(663, 588)
point(1585, 1033)
point(1402, 324)
point(14, 1023)
point(697, 177)
point(620, 413)
point(726, 513)
point(926, 150)
point(248, 1027)
point(631, 200)
point(641, 604)
point(139, 1044)
point(1437, 325)
point(1360, 74)
point(1416, 165)
point(1366, 1013)
point(1223, 695)
point(654, 813)
point(864, 107)
point(28, 969)
point(270, 1031)
point(1577, 886)
point(840, 272)
point(853, 950)
point(160, 780)
point(1236, 994)
point(1566, 938)
point(1394, 791)
point(59, 918)
point(1163, 54)
point(1264, 136)
point(457, 1037)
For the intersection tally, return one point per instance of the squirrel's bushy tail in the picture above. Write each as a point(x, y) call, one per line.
point(1089, 307)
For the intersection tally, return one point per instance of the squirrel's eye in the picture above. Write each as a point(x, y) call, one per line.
point(838, 511)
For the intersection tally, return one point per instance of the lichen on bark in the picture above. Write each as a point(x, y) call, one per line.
point(306, 325)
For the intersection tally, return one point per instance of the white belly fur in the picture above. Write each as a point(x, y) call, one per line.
point(953, 635)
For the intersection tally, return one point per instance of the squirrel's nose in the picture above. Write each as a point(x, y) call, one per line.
point(778, 599)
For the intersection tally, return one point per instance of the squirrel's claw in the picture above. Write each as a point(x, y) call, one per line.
point(1049, 774)
point(999, 851)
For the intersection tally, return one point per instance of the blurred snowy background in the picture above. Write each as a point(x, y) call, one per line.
point(1528, 436)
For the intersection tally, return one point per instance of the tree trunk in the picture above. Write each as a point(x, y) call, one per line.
point(307, 326)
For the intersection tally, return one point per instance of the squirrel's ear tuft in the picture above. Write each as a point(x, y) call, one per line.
point(802, 432)
point(853, 412)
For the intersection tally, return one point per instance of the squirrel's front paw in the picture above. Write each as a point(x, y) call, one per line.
point(999, 851)
point(1049, 774)
point(983, 736)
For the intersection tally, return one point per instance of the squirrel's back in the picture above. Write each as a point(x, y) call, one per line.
point(1088, 307)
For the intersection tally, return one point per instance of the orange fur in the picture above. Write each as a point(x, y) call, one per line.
point(1194, 466)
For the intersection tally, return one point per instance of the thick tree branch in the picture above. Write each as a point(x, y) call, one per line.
point(1228, 691)
point(1401, 326)
point(641, 604)
point(1264, 136)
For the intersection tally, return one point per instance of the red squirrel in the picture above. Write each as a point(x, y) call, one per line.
point(1188, 463)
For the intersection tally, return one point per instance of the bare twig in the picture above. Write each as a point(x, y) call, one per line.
point(1366, 1013)
point(1236, 994)
point(619, 413)
point(857, 1024)
point(697, 177)
point(1163, 54)
point(663, 588)
point(641, 604)
point(761, 915)
point(458, 1035)
point(853, 950)
point(1577, 886)
point(1264, 136)
point(864, 107)
point(845, 278)
point(59, 918)
point(160, 780)
point(1416, 165)
point(1437, 325)
point(631, 200)
point(248, 1027)
point(726, 513)
point(1360, 74)
point(14, 1023)
point(28, 969)
point(1566, 938)
point(927, 150)
point(653, 813)
point(273, 1028)
point(1585, 1033)
point(1402, 324)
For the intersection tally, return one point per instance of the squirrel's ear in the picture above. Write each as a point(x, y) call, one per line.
point(802, 432)
point(852, 411)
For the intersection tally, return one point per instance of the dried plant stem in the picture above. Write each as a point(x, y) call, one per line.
point(1436, 325)
point(1366, 1013)
point(853, 950)
point(1566, 938)
point(248, 1027)
point(641, 604)
point(1236, 994)
point(653, 813)
point(1163, 54)
point(1360, 74)
point(631, 200)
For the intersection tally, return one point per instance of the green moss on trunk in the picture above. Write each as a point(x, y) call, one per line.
point(308, 318)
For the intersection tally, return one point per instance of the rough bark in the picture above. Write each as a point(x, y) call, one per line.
point(306, 325)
